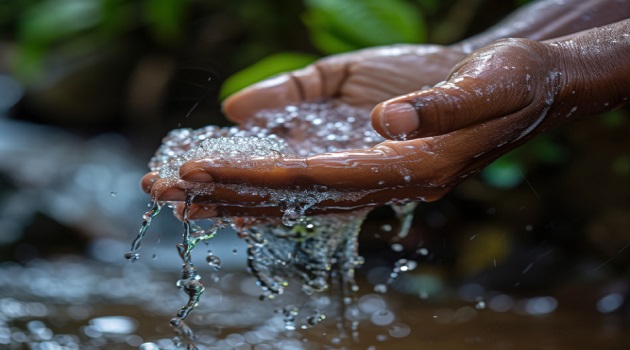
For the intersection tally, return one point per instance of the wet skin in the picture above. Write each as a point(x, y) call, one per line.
point(494, 99)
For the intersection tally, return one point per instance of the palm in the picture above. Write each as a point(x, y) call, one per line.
point(361, 79)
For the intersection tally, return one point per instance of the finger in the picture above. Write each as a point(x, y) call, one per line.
point(175, 190)
point(215, 200)
point(485, 85)
point(209, 211)
point(393, 171)
point(377, 167)
point(318, 81)
point(148, 180)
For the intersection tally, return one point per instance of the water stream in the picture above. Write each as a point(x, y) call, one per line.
point(320, 252)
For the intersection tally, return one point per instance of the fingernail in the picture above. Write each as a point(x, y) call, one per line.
point(196, 175)
point(148, 180)
point(199, 211)
point(399, 119)
point(172, 194)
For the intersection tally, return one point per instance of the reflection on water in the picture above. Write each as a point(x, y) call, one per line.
point(86, 304)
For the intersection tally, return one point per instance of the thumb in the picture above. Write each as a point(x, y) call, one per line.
point(495, 81)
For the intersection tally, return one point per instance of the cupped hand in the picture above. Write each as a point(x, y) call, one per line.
point(495, 99)
point(361, 78)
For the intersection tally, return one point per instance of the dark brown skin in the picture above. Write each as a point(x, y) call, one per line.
point(494, 100)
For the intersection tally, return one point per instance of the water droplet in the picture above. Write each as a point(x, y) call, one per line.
point(380, 288)
point(404, 265)
point(149, 346)
point(291, 216)
point(214, 262)
point(132, 256)
point(610, 303)
point(113, 194)
point(399, 330)
point(315, 318)
point(397, 247)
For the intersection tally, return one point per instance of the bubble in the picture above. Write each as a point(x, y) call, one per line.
point(382, 318)
point(399, 330)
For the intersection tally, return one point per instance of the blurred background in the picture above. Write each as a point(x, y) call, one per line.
point(531, 254)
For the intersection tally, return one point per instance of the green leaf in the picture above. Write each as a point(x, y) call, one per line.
point(268, 66)
point(343, 25)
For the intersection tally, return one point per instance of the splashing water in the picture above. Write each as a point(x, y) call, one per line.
point(316, 250)
point(134, 254)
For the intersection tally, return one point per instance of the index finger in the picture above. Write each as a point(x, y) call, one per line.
point(315, 82)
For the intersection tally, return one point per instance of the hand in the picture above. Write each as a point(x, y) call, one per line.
point(495, 99)
point(362, 78)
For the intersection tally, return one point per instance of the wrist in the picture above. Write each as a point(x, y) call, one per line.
point(595, 72)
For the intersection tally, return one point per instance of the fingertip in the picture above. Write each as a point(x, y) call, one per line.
point(397, 120)
point(148, 180)
point(192, 172)
point(195, 211)
point(165, 190)
point(271, 93)
point(171, 195)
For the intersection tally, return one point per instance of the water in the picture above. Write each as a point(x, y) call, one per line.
point(134, 254)
point(319, 252)
point(127, 306)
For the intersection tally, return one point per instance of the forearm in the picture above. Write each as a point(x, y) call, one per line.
point(548, 19)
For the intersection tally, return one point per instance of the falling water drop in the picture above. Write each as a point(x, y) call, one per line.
point(214, 262)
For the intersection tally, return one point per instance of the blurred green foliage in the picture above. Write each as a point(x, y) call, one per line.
point(74, 27)
point(509, 171)
point(337, 26)
point(345, 25)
